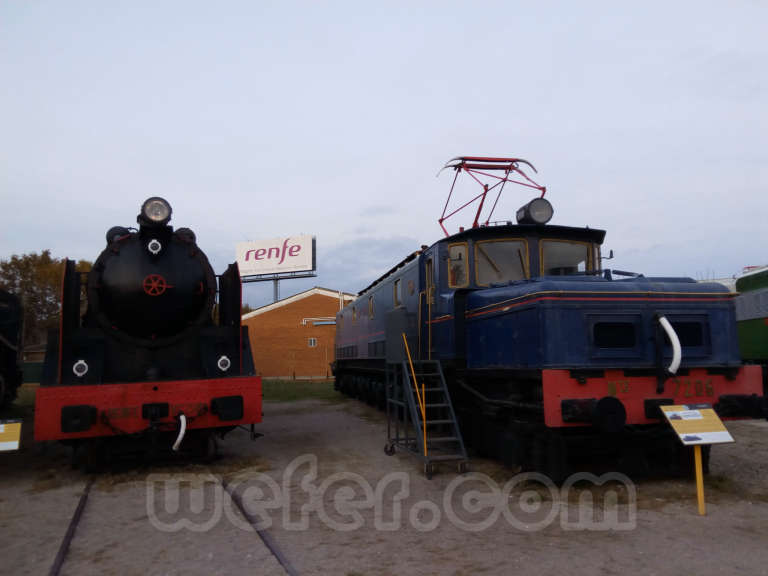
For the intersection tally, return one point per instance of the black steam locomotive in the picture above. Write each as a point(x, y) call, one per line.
point(10, 340)
point(155, 350)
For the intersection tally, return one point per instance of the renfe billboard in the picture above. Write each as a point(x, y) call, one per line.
point(276, 256)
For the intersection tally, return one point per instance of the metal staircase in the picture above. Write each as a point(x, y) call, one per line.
point(420, 416)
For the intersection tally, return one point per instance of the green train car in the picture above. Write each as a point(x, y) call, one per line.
point(752, 314)
point(752, 317)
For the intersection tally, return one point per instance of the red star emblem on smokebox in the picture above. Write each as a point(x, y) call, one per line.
point(155, 285)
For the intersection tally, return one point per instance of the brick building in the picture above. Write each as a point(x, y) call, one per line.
point(294, 337)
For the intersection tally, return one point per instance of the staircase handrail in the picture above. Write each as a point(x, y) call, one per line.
point(419, 397)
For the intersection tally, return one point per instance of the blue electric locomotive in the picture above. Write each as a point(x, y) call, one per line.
point(539, 345)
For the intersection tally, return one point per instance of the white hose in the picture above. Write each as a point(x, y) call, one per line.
point(182, 431)
point(677, 353)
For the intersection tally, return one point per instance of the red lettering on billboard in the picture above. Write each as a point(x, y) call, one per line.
point(274, 252)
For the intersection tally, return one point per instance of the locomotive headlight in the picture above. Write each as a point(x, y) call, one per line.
point(155, 212)
point(80, 368)
point(537, 211)
point(224, 363)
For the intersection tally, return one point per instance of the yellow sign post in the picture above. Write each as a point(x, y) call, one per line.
point(697, 424)
point(10, 434)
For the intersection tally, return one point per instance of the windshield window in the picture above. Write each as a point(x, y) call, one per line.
point(562, 257)
point(457, 266)
point(501, 261)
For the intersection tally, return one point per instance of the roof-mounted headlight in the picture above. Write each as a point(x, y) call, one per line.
point(537, 211)
point(155, 212)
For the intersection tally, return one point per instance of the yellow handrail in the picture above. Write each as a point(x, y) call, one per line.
point(418, 330)
point(430, 296)
point(419, 397)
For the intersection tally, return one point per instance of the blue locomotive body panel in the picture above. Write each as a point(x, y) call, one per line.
point(575, 321)
point(591, 322)
point(360, 332)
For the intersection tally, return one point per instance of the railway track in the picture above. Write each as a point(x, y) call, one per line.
point(268, 541)
point(266, 538)
point(61, 555)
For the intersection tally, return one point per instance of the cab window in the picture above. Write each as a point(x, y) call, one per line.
point(564, 257)
point(397, 290)
point(458, 273)
point(500, 261)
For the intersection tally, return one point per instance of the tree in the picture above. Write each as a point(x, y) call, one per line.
point(36, 280)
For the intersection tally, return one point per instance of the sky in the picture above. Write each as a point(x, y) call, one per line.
point(260, 119)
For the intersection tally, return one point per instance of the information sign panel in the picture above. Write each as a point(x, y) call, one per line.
point(697, 424)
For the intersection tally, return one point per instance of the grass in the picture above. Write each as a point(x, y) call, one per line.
point(293, 390)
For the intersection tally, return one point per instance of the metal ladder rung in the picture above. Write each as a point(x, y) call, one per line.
point(431, 422)
point(443, 439)
point(441, 405)
point(456, 456)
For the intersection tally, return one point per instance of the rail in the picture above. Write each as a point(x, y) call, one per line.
point(61, 555)
point(267, 539)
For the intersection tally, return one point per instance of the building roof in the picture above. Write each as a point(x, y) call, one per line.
point(316, 291)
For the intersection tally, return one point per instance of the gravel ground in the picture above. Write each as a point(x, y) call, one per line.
point(325, 518)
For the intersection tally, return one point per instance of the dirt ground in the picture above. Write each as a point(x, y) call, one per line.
point(349, 509)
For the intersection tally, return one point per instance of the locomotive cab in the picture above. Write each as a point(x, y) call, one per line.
point(499, 255)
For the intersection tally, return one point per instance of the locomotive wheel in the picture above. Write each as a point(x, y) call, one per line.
point(483, 431)
point(381, 397)
point(512, 449)
point(74, 461)
point(8, 390)
point(207, 447)
point(95, 454)
point(370, 393)
point(550, 455)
